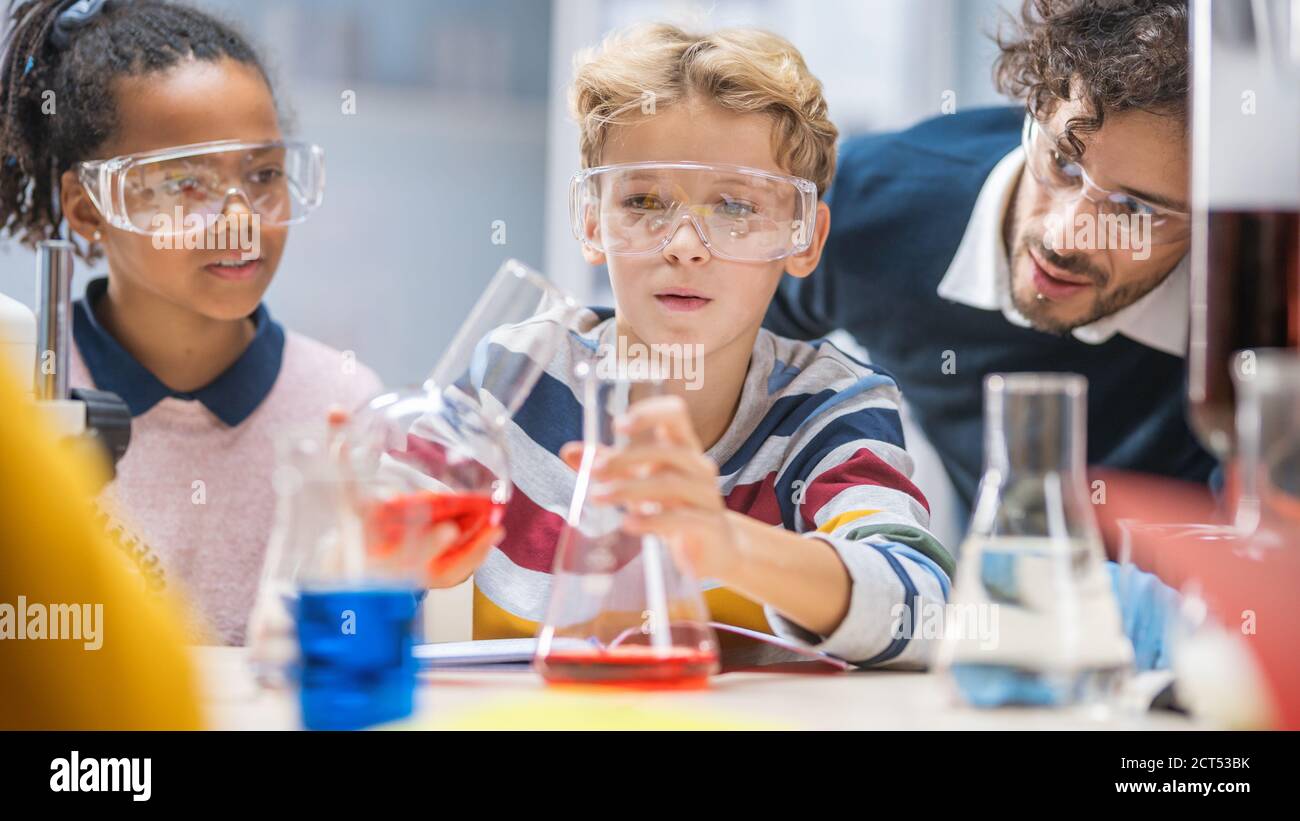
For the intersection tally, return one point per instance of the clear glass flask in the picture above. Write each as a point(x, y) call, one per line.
point(1033, 559)
point(623, 609)
point(308, 495)
point(1266, 475)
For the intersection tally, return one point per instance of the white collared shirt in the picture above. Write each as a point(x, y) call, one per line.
point(979, 276)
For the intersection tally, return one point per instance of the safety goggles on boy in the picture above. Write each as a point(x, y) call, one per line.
point(1066, 180)
point(167, 191)
point(739, 213)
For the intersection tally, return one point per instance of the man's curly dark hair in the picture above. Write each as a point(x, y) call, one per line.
point(1116, 55)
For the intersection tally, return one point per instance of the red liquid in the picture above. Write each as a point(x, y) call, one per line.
point(1250, 295)
point(392, 523)
point(631, 666)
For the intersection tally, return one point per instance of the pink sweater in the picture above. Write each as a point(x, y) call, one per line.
point(199, 492)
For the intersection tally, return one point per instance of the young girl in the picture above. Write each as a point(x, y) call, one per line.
point(151, 130)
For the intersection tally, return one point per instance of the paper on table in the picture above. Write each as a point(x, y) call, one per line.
point(738, 656)
point(487, 651)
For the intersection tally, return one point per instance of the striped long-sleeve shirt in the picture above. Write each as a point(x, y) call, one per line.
point(815, 447)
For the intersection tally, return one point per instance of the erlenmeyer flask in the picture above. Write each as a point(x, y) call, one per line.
point(422, 459)
point(623, 609)
point(508, 338)
point(306, 497)
point(1033, 558)
point(438, 453)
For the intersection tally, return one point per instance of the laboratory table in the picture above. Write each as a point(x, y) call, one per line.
point(518, 699)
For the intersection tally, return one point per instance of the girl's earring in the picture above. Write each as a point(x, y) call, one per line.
point(97, 236)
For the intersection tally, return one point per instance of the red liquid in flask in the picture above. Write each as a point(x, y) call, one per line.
point(391, 523)
point(1249, 297)
point(631, 666)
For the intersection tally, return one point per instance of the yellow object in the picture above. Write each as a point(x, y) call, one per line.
point(725, 606)
point(59, 574)
point(582, 708)
point(844, 518)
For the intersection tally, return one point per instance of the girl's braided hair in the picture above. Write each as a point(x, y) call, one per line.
point(44, 52)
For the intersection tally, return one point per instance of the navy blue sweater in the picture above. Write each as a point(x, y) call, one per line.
point(899, 207)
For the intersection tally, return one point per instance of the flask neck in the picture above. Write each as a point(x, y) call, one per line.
point(1035, 452)
point(604, 401)
point(1036, 432)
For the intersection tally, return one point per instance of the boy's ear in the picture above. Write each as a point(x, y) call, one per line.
point(592, 256)
point(801, 265)
point(82, 215)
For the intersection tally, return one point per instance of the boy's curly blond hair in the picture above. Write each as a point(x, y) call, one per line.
point(743, 70)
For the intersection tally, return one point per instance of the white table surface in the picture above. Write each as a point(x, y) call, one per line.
point(486, 699)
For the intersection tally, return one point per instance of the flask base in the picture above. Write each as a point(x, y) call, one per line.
point(637, 667)
point(998, 685)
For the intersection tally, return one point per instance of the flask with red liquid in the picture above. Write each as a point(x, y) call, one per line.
point(429, 458)
point(437, 454)
point(382, 478)
point(623, 610)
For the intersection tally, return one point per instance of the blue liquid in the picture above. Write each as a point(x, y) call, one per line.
point(357, 667)
point(999, 685)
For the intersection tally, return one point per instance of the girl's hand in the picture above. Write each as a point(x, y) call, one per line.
point(392, 530)
point(448, 569)
point(666, 485)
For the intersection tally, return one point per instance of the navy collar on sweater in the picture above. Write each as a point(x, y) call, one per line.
point(232, 397)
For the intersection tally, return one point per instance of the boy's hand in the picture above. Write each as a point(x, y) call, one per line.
point(666, 484)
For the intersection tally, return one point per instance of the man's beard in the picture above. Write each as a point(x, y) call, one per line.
point(1105, 303)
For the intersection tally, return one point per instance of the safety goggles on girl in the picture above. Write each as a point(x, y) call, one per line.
point(166, 191)
point(739, 213)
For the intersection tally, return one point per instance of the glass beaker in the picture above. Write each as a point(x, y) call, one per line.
point(1034, 558)
point(623, 608)
point(1265, 479)
point(334, 613)
point(355, 614)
